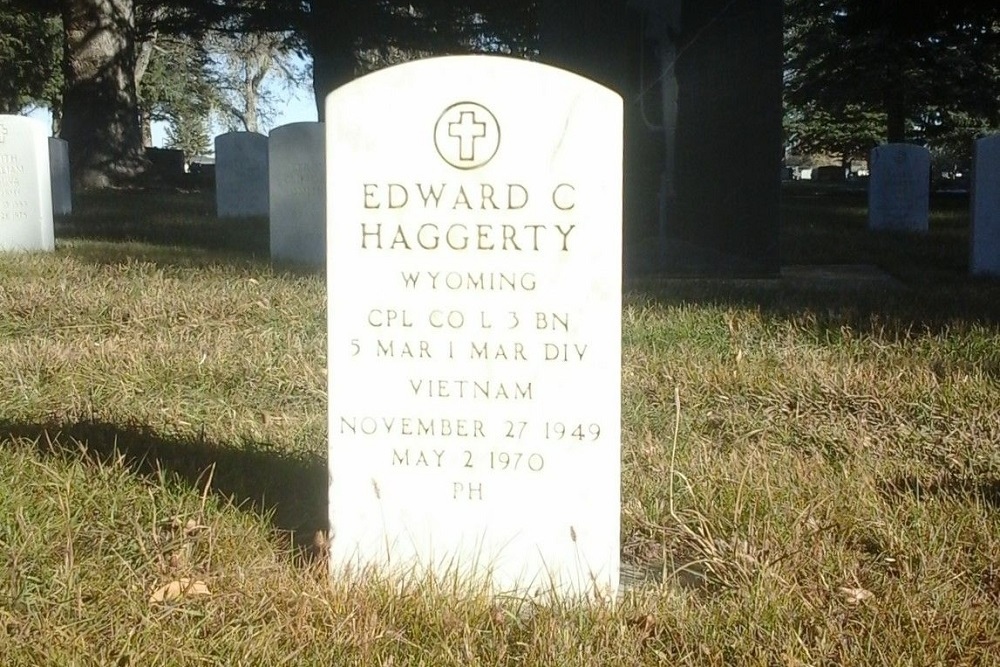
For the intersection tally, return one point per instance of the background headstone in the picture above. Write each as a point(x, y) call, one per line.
point(985, 207)
point(241, 181)
point(62, 192)
point(474, 281)
point(297, 165)
point(899, 188)
point(25, 185)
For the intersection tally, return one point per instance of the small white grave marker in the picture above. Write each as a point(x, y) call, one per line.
point(297, 165)
point(985, 207)
point(241, 181)
point(474, 281)
point(25, 186)
point(899, 188)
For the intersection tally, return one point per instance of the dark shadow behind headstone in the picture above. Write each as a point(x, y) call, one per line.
point(829, 174)
point(603, 41)
point(701, 192)
point(201, 170)
point(729, 153)
point(166, 165)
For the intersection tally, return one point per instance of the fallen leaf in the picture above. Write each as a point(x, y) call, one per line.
point(856, 595)
point(179, 588)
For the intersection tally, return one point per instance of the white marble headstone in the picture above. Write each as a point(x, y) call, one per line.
point(241, 188)
point(899, 188)
point(297, 165)
point(62, 193)
point(25, 186)
point(985, 207)
point(474, 279)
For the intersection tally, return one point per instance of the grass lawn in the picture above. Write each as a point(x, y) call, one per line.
point(811, 466)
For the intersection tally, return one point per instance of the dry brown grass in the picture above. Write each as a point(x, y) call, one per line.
point(811, 474)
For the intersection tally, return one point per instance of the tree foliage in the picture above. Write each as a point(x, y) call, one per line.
point(921, 69)
point(189, 133)
point(242, 63)
point(347, 38)
point(178, 89)
point(847, 133)
point(112, 48)
point(30, 58)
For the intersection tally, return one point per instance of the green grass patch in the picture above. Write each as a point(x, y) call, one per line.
point(810, 468)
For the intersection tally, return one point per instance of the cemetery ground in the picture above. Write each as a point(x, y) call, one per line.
point(811, 469)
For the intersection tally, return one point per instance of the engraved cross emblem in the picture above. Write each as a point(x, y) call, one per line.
point(466, 135)
point(467, 129)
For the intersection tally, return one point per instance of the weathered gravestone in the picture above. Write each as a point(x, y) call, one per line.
point(474, 280)
point(241, 188)
point(297, 167)
point(985, 207)
point(25, 185)
point(62, 192)
point(899, 188)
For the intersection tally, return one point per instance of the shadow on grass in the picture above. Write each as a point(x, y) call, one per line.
point(925, 285)
point(162, 218)
point(893, 311)
point(168, 228)
point(291, 490)
point(929, 288)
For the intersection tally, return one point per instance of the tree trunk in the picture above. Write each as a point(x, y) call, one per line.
point(144, 54)
point(100, 107)
point(894, 48)
point(729, 76)
point(250, 123)
point(895, 120)
point(336, 30)
point(147, 128)
point(602, 41)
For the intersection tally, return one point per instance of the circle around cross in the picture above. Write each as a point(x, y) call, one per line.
point(467, 135)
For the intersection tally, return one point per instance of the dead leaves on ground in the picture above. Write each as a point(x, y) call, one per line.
point(855, 595)
point(175, 543)
point(177, 589)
